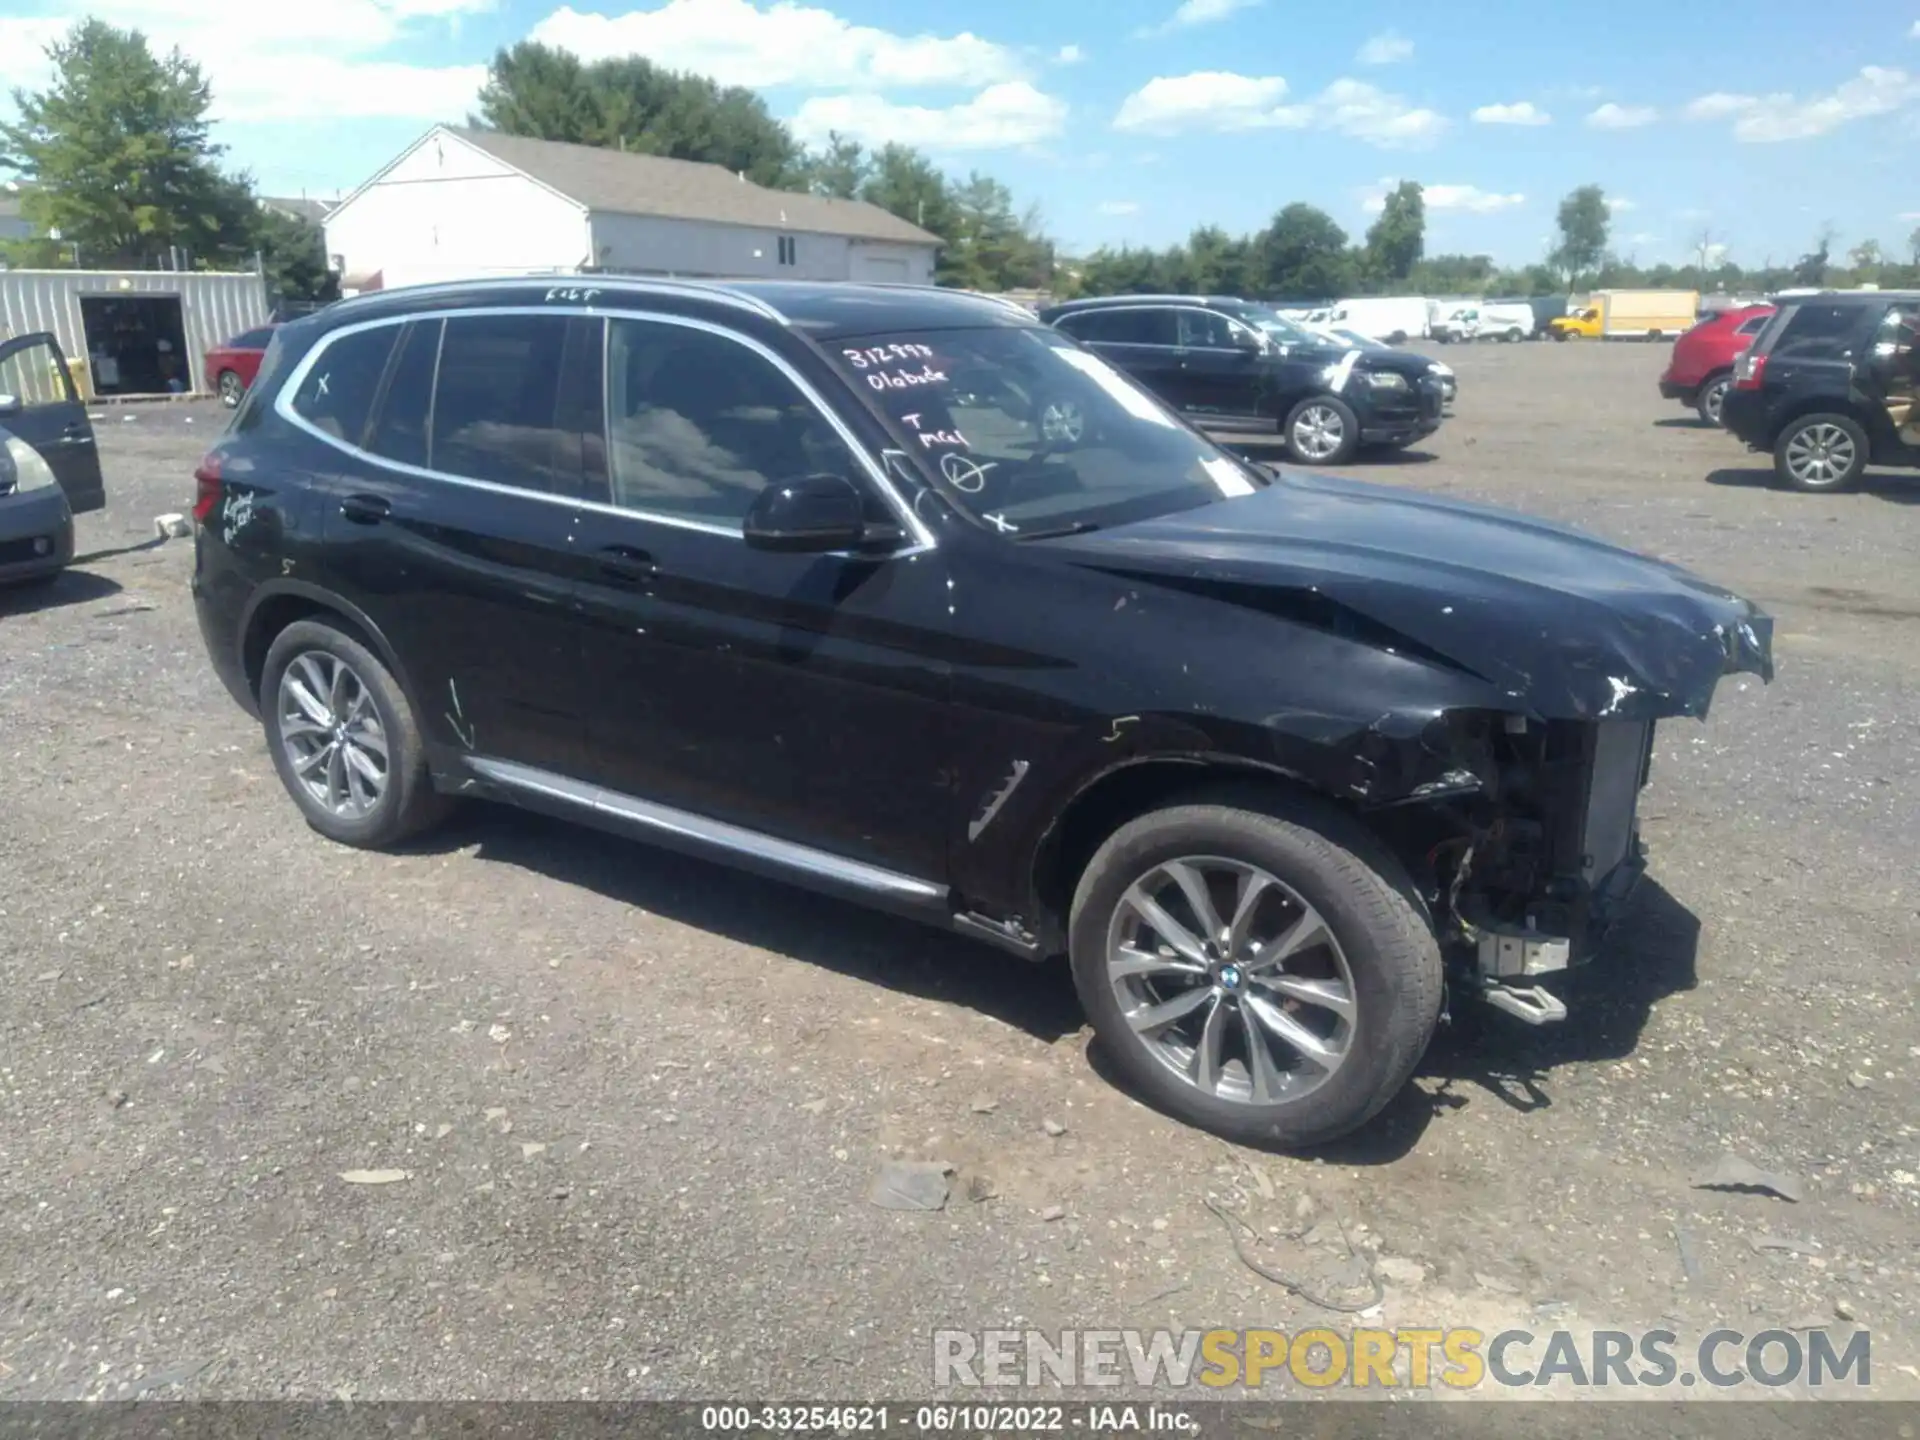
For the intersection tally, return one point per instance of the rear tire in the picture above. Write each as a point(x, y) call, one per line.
point(344, 739)
point(231, 387)
point(1321, 430)
point(1821, 452)
point(1712, 398)
point(1333, 968)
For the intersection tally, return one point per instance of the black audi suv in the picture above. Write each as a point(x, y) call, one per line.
point(1238, 366)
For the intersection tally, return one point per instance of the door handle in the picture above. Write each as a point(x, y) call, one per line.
point(76, 434)
point(627, 564)
point(366, 509)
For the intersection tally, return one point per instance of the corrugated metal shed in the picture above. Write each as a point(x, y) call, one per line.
point(213, 307)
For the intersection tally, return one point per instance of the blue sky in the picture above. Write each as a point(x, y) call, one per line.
point(1134, 120)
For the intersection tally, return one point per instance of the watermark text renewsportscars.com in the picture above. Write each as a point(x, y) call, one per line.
point(1458, 1358)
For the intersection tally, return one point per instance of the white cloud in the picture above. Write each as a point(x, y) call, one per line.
point(1914, 33)
point(1389, 47)
point(1198, 12)
point(1069, 55)
point(313, 60)
point(1204, 100)
point(1522, 112)
point(1619, 204)
point(999, 117)
point(1219, 100)
point(1909, 215)
point(1470, 198)
point(1118, 207)
point(1763, 119)
point(1622, 117)
point(739, 43)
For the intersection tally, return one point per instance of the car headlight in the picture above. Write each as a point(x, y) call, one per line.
point(24, 466)
point(1445, 372)
point(1386, 380)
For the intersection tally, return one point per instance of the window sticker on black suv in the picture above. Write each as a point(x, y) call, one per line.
point(336, 395)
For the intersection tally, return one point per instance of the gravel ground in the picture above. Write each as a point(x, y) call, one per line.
point(639, 1100)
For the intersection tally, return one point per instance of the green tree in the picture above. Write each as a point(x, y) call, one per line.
point(1913, 247)
point(1397, 240)
point(630, 103)
point(293, 257)
point(117, 148)
point(1811, 268)
point(1303, 255)
point(840, 169)
point(992, 248)
point(1585, 222)
point(1215, 263)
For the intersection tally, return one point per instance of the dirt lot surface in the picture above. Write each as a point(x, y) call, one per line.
point(639, 1101)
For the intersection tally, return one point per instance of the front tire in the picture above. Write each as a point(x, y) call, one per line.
point(1263, 974)
point(1712, 399)
point(1322, 430)
point(1821, 452)
point(344, 739)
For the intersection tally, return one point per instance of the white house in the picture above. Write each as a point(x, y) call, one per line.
point(460, 204)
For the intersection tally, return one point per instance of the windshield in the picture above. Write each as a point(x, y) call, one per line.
point(1276, 326)
point(1034, 435)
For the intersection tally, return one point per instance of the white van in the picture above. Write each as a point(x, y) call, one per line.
point(1393, 318)
point(1507, 322)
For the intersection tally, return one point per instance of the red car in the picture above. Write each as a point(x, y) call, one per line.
point(1702, 364)
point(232, 366)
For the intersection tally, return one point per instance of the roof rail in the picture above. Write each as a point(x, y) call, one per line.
point(703, 289)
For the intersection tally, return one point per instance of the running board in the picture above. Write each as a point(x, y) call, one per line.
point(682, 828)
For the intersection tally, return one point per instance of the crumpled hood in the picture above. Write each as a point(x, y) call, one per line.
point(1563, 625)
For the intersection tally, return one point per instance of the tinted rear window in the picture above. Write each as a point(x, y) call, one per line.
point(406, 410)
point(1123, 327)
point(1818, 330)
point(516, 399)
point(338, 392)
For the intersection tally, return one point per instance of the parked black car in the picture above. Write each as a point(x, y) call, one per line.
point(1238, 366)
point(1829, 386)
point(49, 468)
point(820, 581)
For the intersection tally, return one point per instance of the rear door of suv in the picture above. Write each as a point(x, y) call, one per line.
point(457, 460)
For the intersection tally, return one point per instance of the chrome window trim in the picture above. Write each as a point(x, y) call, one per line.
point(682, 289)
point(922, 537)
point(788, 854)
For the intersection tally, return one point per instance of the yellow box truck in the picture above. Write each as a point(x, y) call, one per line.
point(1629, 315)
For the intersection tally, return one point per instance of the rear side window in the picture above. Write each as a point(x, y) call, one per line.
point(406, 410)
point(1817, 331)
point(337, 393)
point(1753, 325)
point(515, 399)
point(1145, 326)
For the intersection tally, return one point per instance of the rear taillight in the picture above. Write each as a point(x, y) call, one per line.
point(1748, 370)
point(206, 488)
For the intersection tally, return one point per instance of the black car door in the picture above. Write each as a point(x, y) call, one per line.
point(798, 696)
point(1224, 368)
point(1891, 378)
point(38, 403)
point(452, 512)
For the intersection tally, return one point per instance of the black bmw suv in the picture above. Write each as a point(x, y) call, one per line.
point(1831, 385)
point(1238, 366)
point(812, 579)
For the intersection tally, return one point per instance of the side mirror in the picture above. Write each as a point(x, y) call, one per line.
point(9, 404)
point(812, 515)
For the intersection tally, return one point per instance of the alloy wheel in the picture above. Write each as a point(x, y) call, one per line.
point(230, 388)
point(1820, 454)
point(1231, 980)
point(331, 734)
point(1318, 431)
point(1062, 422)
point(1713, 400)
